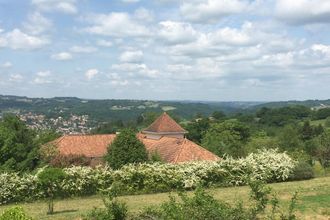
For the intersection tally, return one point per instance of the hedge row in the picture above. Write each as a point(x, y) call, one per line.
point(267, 165)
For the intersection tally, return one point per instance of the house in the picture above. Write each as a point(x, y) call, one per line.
point(164, 137)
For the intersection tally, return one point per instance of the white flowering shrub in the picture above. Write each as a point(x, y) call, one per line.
point(15, 188)
point(266, 165)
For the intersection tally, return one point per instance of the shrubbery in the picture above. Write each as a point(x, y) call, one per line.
point(50, 180)
point(125, 149)
point(302, 171)
point(203, 206)
point(14, 213)
point(266, 165)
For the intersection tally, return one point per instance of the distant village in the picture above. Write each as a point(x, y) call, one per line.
point(75, 124)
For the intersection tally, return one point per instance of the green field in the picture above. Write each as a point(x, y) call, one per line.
point(314, 200)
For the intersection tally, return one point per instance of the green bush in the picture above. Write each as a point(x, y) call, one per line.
point(203, 206)
point(125, 149)
point(267, 165)
point(302, 171)
point(50, 180)
point(14, 213)
point(114, 210)
point(327, 122)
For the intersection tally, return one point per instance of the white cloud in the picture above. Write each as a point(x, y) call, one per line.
point(104, 43)
point(83, 49)
point(324, 49)
point(62, 56)
point(232, 36)
point(211, 11)
point(91, 73)
point(303, 11)
point(6, 64)
point(133, 69)
point(176, 32)
point(144, 15)
point(135, 56)
point(16, 39)
point(46, 73)
point(64, 6)
point(15, 77)
point(43, 77)
point(37, 23)
point(115, 24)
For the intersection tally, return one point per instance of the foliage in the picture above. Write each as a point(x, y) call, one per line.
point(16, 188)
point(265, 165)
point(18, 152)
point(203, 206)
point(196, 129)
point(322, 113)
point(322, 152)
point(48, 152)
point(50, 180)
point(308, 131)
point(63, 161)
point(46, 136)
point(282, 116)
point(218, 115)
point(228, 137)
point(14, 213)
point(302, 171)
point(114, 210)
point(126, 148)
point(260, 142)
point(327, 122)
point(108, 128)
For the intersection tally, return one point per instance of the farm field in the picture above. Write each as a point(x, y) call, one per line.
point(313, 200)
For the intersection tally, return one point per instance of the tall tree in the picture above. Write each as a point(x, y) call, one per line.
point(125, 149)
point(228, 137)
point(322, 151)
point(18, 150)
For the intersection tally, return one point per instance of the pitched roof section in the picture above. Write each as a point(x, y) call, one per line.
point(87, 145)
point(171, 150)
point(174, 150)
point(164, 124)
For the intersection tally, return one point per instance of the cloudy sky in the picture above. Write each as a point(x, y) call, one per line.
point(223, 50)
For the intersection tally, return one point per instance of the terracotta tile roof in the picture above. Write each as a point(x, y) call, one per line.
point(171, 150)
point(176, 150)
point(164, 124)
point(87, 145)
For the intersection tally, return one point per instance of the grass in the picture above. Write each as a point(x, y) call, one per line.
point(313, 203)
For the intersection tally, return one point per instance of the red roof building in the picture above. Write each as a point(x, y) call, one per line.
point(164, 137)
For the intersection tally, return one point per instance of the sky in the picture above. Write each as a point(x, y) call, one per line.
point(210, 50)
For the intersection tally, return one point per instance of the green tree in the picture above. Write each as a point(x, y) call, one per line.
point(18, 150)
point(196, 129)
point(260, 142)
point(50, 180)
point(327, 122)
point(322, 152)
point(289, 139)
point(125, 149)
point(228, 137)
point(218, 115)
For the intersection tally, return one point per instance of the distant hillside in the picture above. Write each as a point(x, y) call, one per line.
point(315, 104)
point(111, 110)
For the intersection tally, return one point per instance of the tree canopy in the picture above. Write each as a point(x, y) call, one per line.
point(126, 148)
point(18, 150)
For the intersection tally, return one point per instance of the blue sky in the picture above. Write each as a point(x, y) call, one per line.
point(221, 50)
